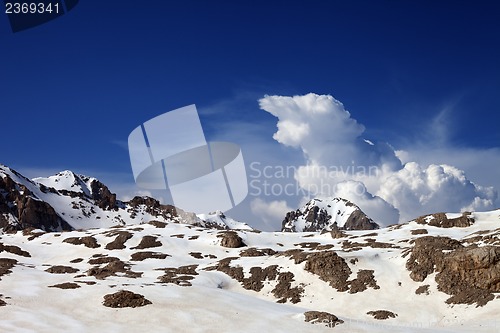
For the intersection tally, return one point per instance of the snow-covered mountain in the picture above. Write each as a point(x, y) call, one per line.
point(327, 214)
point(439, 273)
point(68, 201)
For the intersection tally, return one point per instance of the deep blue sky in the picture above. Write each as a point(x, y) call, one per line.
point(72, 90)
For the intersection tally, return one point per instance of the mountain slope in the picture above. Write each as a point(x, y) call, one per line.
point(327, 214)
point(422, 276)
point(69, 201)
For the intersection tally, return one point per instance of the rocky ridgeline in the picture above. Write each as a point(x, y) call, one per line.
point(55, 203)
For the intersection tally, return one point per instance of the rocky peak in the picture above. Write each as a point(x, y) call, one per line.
point(21, 209)
point(327, 214)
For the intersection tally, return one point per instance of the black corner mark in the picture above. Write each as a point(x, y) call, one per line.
point(26, 14)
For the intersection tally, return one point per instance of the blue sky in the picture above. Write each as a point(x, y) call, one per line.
point(421, 75)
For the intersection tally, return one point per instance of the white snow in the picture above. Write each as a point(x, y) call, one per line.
point(217, 303)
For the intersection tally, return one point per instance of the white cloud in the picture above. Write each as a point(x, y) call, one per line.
point(272, 212)
point(380, 180)
point(417, 191)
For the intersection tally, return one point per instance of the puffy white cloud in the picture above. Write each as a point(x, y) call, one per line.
point(272, 212)
point(380, 180)
point(417, 191)
point(325, 132)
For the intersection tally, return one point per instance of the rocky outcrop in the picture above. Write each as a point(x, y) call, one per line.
point(327, 215)
point(320, 317)
point(230, 239)
point(20, 209)
point(441, 220)
point(382, 314)
point(102, 195)
point(469, 274)
point(125, 299)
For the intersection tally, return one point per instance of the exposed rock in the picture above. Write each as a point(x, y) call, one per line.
point(125, 299)
point(419, 232)
point(422, 290)
point(140, 256)
point(330, 267)
point(14, 250)
point(59, 269)
point(5, 265)
point(363, 280)
point(230, 239)
point(442, 221)
point(428, 252)
point(469, 274)
point(25, 210)
point(66, 285)
point(119, 242)
point(319, 317)
point(196, 255)
point(325, 215)
point(111, 269)
point(337, 234)
point(284, 290)
point(32, 233)
point(359, 221)
point(258, 275)
point(88, 241)
point(148, 242)
point(99, 260)
point(253, 252)
point(308, 245)
point(382, 314)
point(158, 224)
point(224, 266)
point(102, 196)
point(179, 276)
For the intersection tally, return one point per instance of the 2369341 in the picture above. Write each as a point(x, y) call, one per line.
point(31, 8)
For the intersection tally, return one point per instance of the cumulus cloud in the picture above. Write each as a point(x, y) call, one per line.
point(325, 132)
point(383, 182)
point(270, 212)
point(417, 191)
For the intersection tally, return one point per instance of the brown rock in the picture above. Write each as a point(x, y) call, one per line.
point(125, 299)
point(230, 239)
point(14, 250)
point(66, 285)
point(382, 314)
point(88, 241)
point(442, 221)
point(119, 242)
point(148, 242)
point(140, 256)
point(318, 317)
point(330, 268)
point(59, 269)
point(5, 265)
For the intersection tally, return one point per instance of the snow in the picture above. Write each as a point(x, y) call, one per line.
point(67, 180)
point(222, 220)
point(218, 303)
point(215, 302)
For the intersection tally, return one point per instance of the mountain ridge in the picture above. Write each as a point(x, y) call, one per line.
point(67, 201)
